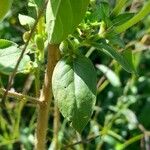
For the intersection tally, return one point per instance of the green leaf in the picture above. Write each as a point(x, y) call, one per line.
point(127, 54)
point(74, 89)
point(9, 54)
point(4, 8)
point(26, 20)
point(111, 76)
point(125, 61)
point(39, 3)
point(122, 18)
point(104, 11)
point(115, 39)
point(100, 12)
point(62, 17)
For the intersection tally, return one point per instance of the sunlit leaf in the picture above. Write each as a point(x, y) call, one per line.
point(62, 17)
point(74, 89)
point(26, 20)
point(9, 54)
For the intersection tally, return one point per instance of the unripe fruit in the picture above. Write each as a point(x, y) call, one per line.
point(4, 8)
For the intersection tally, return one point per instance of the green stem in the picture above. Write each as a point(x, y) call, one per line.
point(37, 81)
point(90, 51)
point(116, 136)
point(120, 4)
point(40, 31)
point(103, 86)
point(144, 12)
point(130, 141)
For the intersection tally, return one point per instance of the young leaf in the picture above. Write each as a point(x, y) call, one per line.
point(111, 76)
point(100, 12)
point(26, 20)
point(127, 64)
point(115, 39)
point(104, 11)
point(9, 54)
point(74, 89)
point(62, 17)
point(122, 18)
point(127, 54)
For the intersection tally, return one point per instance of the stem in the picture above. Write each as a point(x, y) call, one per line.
point(45, 98)
point(37, 76)
point(90, 51)
point(144, 12)
point(20, 96)
point(87, 141)
point(56, 127)
point(21, 105)
point(119, 5)
point(130, 141)
point(22, 54)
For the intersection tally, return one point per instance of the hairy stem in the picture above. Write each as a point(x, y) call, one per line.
point(144, 12)
point(45, 98)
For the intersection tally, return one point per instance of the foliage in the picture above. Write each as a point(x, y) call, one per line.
point(4, 8)
point(113, 38)
point(74, 92)
point(58, 26)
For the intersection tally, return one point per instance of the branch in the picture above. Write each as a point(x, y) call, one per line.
point(46, 99)
point(20, 96)
point(80, 142)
